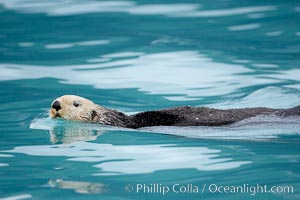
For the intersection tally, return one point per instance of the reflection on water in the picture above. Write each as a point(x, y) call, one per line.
point(123, 159)
point(74, 7)
point(262, 97)
point(63, 132)
point(67, 135)
point(69, 45)
point(198, 77)
point(78, 186)
point(18, 197)
point(5, 156)
point(244, 27)
point(130, 159)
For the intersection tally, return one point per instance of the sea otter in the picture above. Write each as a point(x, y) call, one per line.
point(76, 108)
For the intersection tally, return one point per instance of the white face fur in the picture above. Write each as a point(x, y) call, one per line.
point(74, 108)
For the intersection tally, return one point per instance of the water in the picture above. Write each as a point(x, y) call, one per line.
point(143, 55)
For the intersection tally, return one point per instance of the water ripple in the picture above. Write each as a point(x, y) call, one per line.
point(156, 73)
point(117, 160)
point(83, 43)
point(75, 7)
point(244, 27)
point(18, 197)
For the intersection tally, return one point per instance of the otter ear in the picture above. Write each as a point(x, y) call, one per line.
point(94, 116)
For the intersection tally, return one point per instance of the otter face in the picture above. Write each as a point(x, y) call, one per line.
point(74, 108)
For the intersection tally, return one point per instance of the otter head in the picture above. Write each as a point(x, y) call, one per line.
point(75, 108)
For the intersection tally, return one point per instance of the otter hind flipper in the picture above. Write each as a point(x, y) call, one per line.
point(295, 111)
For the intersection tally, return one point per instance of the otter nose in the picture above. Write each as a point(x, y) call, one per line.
point(56, 105)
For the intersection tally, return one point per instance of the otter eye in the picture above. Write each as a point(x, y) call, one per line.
point(75, 104)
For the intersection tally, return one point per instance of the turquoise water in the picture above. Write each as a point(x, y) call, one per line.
point(143, 55)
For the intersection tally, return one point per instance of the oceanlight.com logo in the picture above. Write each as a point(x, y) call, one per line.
point(161, 189)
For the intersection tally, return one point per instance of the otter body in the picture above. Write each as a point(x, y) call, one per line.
point(79, 109)
point(202, 116)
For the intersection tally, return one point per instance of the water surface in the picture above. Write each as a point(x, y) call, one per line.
point(143, 55)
